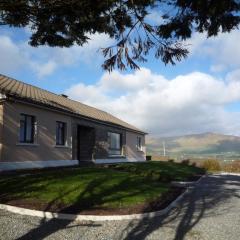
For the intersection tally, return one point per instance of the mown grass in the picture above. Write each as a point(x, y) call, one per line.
point(116, 186)
point(160, 171)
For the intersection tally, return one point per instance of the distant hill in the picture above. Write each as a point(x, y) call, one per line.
point(200, 144)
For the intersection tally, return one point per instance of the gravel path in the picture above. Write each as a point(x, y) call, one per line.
point(209, 211)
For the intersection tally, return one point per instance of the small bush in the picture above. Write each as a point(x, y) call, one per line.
point(160, 158)
point(211, 165)
point(232, 167)
point(185, 162)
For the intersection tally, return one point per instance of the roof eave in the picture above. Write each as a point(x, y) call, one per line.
point(70, 113)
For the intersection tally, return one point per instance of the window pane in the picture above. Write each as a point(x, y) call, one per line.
point(26, 133)
point(58, 141)
point(114, 140)
point(22, 117)
point(57, 133)
point(114, 143)
point(139, 143)
point(117, 141)
point(60, 133)
point(21, 135)
point(29, 129)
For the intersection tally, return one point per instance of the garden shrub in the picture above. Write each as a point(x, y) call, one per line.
point(211, 165)
point(232, 167)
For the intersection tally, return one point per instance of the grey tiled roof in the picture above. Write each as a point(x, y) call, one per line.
point(26, 92)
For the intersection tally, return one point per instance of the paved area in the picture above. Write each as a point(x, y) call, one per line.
point(210, 211)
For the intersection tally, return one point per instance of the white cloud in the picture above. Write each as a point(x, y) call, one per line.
point(217, 68)
point(155, 17)
point(233, 75)
point(87, 53)
point(45, 60)
point(188, 103)
point(44, 69)
point(223, 50)
point(82, 92)
point(11, 58)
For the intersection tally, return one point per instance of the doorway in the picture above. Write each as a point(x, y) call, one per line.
point(86, 143)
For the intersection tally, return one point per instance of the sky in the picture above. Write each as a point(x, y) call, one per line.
point(199, 94)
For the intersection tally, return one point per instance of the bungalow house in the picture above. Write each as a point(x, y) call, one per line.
point(42, 129)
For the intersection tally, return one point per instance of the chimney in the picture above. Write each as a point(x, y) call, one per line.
point(64, 95)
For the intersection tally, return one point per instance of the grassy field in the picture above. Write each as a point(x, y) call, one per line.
point(122, 185)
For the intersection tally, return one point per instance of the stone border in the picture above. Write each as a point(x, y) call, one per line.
point(73, 217)
point(230, 173)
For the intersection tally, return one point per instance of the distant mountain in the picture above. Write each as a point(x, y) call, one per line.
point(205, 143)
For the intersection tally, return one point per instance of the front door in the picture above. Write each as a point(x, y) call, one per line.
point(86, 143)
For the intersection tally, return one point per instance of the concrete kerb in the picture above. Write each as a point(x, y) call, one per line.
point(73, 217)
point(230, 173)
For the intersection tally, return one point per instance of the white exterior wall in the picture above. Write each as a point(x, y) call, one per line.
point(132, 152)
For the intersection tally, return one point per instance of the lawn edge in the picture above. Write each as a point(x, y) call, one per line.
point(79, 217)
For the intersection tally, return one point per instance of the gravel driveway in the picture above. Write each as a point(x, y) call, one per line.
point(209, 211)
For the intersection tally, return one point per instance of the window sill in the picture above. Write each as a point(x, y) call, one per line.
point(62, 146)
point(27, 144)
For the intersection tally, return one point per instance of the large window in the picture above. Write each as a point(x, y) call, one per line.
point(60, 133)
point(114, 140)
point(27, 123)
point(139, 143)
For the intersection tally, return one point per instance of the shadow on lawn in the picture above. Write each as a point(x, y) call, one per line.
point(199, 203)
point(48, 227)
point(88, 199)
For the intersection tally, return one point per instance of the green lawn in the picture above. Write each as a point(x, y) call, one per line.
point(121, 185)
point(161, 171)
